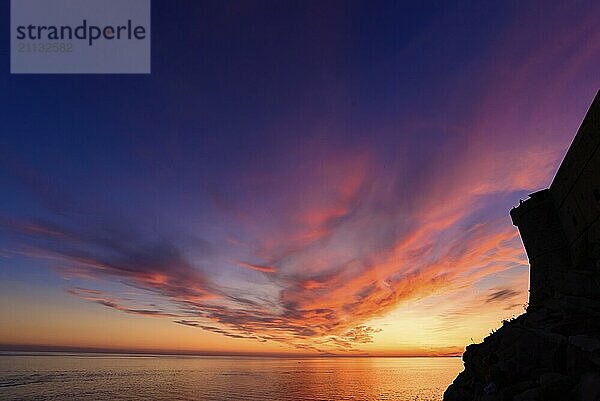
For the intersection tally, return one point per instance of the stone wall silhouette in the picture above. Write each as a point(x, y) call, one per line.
point(560, 226)
point(551, 352)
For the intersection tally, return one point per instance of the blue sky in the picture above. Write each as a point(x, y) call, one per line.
point(307, 176)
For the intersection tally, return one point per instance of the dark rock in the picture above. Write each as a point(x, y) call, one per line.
point(583, 354)
point(552, 352)
point(588, 388)
point(529, 395)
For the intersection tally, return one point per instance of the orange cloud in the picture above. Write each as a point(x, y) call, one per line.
point(260, 268)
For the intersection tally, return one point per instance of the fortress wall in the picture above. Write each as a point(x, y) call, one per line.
point(576, 187)
point(580, 215)
point(582, 148)
point(545, 243)
point(560, 227)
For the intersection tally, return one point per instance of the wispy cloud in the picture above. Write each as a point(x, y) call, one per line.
point(502, 295)
point(310, 240)
point(260, 268)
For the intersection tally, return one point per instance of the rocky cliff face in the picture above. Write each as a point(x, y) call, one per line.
point(551, 353)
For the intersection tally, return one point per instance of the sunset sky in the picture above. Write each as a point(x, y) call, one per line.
point(293, 177)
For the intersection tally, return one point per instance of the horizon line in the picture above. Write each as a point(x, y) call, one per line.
point(29, 348)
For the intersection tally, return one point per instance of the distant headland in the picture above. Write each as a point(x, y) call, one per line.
point(552, 352)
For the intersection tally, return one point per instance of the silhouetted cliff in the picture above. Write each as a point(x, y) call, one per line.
point(552, 352)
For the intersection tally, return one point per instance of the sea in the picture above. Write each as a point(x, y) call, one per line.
point(51, 376)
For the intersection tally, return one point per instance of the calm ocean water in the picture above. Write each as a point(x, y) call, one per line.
point(118, 377)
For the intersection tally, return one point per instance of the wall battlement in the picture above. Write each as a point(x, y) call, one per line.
point(560, 226)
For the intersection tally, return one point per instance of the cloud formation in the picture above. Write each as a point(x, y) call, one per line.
point(329, 217)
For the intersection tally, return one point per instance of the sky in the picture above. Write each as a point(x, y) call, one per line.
point(310, 177)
